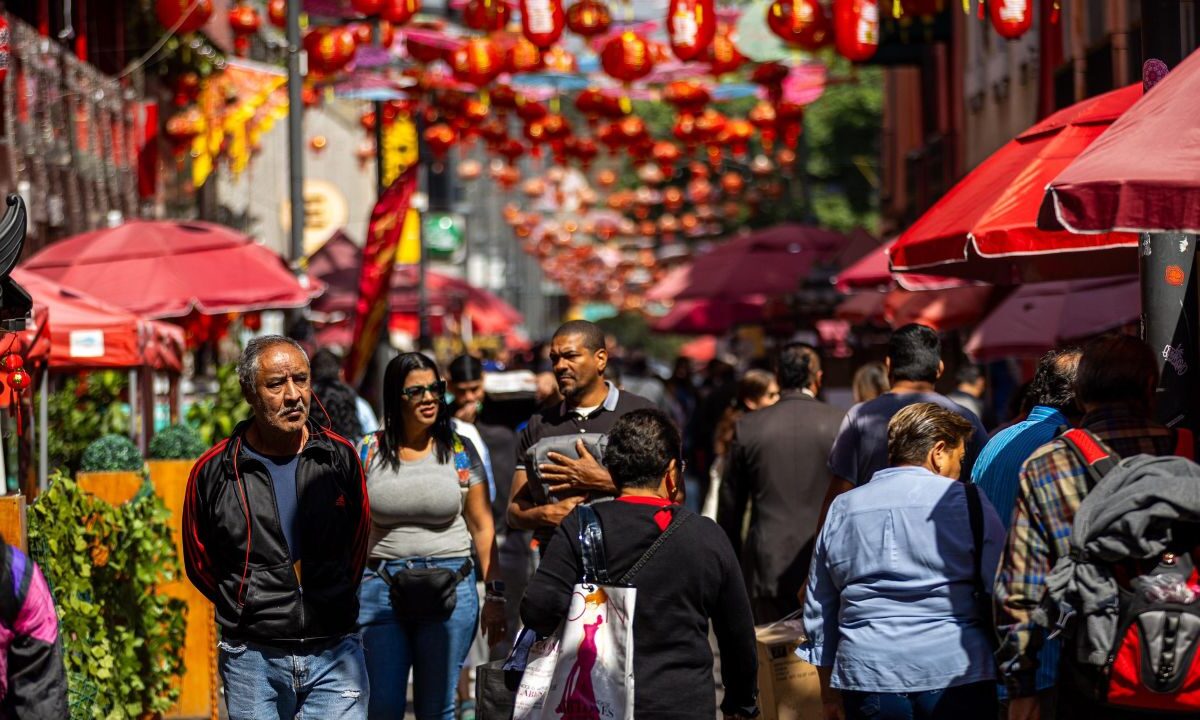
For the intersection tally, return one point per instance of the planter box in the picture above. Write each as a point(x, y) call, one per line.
point(198, 685)
point(115, 488)
point(13, 525)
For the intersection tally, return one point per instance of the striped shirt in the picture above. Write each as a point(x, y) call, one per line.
point(996, 473)
point(1053, 483)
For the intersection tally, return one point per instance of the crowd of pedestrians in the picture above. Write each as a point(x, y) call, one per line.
point(918, 553)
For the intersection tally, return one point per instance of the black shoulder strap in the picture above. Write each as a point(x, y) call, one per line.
point(975, 513)
point(591, 547)
point(681, 515)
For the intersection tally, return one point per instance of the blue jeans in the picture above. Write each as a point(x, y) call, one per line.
point(262, 681)
point(434, 650)
point(976, 700)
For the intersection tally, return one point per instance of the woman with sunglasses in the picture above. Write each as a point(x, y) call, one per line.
point(429, 504)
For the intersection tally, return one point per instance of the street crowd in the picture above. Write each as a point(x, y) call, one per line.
point(1044, 569)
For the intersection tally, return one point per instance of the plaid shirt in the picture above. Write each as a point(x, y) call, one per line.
point(1053, 484)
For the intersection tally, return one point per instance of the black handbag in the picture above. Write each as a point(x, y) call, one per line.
point(424, 593)
point(495, 691)
point(982, 592)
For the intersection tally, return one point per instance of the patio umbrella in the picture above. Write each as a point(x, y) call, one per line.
point(1041, 316)
point(1141, 175)
point(671, 285)
point(87, 333)
point(986, 228)
point(939, 309)
point(872, 272)
point(165, 269)
point(709, 317)
point(861, 308)
point(774, 261)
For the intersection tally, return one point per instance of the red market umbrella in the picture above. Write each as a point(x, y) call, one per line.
point(1143, 175)
point(1042, 316)
point(671, 285)
point(986, 226)
point(939, 309)
point(774, 261)
point(871, 272)
point(861, 308)
point(709, 317)
point(164, 269)
point(87, 333)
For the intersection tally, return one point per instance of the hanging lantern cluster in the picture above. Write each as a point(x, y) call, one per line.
point(183, 16)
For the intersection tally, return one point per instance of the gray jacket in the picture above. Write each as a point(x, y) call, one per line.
point(1128, 515)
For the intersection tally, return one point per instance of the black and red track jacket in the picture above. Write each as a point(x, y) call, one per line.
point(234, 548)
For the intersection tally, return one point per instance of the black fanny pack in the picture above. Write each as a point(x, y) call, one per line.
point(424, 593)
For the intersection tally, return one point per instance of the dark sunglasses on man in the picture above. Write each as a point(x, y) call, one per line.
point(417, 392)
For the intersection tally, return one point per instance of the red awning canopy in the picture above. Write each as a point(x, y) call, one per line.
point(986, 228)
point(774, 261)
point(1042, 316)
point(939, 309)
point(1143, 175)
point(871, 272)
point(86, 333)
point(162, 269)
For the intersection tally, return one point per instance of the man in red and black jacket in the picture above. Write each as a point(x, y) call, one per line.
point(275, 529)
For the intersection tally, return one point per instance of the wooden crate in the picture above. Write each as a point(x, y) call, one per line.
point(13, 525)
point(198, 686)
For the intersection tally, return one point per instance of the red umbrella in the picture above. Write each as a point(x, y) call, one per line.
point(861, 308)
point(986, 227)
point(775, 261)
point(872, 272)
point(671, 285)
point(1042, 316)
point(1142, 175)
point(162, 269)
point(939, 309)
point(709, 317)
point(88, 333)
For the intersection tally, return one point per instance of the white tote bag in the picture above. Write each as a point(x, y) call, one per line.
point(584, 671)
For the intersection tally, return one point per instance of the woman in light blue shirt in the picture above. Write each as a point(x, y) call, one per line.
point(891, 613)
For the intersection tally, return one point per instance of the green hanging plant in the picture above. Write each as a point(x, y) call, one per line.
point(112, 452)
point(178, 442)
point(122, 639)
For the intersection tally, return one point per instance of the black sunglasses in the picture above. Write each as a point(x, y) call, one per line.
point(437, 389)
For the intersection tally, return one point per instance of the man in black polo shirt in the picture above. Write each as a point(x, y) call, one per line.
point(590, 405)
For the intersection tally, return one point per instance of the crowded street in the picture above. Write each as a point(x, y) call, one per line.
point(599, 359)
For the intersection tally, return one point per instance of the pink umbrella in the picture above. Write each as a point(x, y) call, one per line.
point(709, 317)
point(774, 261)
point(671, 285)
point(1042, 316)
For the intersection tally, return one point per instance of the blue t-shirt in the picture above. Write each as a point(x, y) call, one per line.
point(283, 480)
point(860, 449)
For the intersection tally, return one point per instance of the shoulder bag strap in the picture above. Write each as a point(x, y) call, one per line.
point(682, 515)
point(1085, 446)
point(591, 547)
point(975, 513)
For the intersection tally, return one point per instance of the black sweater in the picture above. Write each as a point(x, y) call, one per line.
point(694, 577)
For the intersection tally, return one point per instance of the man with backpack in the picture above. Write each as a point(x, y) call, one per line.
point(1115, 387)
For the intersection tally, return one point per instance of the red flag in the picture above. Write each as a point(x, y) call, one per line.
point(378, 260)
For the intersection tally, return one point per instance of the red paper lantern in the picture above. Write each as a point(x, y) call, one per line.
point(723, 55)
point(12, 361)
point(1011, 18)
point(691, 25)
point(186, 86)
point(856, 28)
point(631, 130)
point(476, 62)
point(542, 21)
point(589, 18)
point(504, 97)
point(710, 124)
point(486, 15)
point(799, 22)
point(440, 138)
point(364, 34)
point(277, 13)
point(422, 51)
point(732, 183)
point(184, 16)
point(510, 150)
point(399, 12)
point(184, 127)
point(555, 127)
point(559, 60)
point(626, 57)
point(686, 96)
point(531, 110)
point(329, 48)
point(244, 20)
point(666, 154)
point(523, 56)
point(736, 136)
point(19, 380)
point(367, 7)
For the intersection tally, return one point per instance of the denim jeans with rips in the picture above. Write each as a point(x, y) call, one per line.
point(433, 650)
point(263, 682)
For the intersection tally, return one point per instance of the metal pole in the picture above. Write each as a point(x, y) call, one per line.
point(1168, 260)
point(380, 173)
point(133, 404)
point(43, 432)
point(424, 341)
point(295, 72)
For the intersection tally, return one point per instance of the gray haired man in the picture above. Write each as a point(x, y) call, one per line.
point(275, 534)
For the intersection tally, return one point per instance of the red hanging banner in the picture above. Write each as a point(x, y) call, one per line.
point(374, 280)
